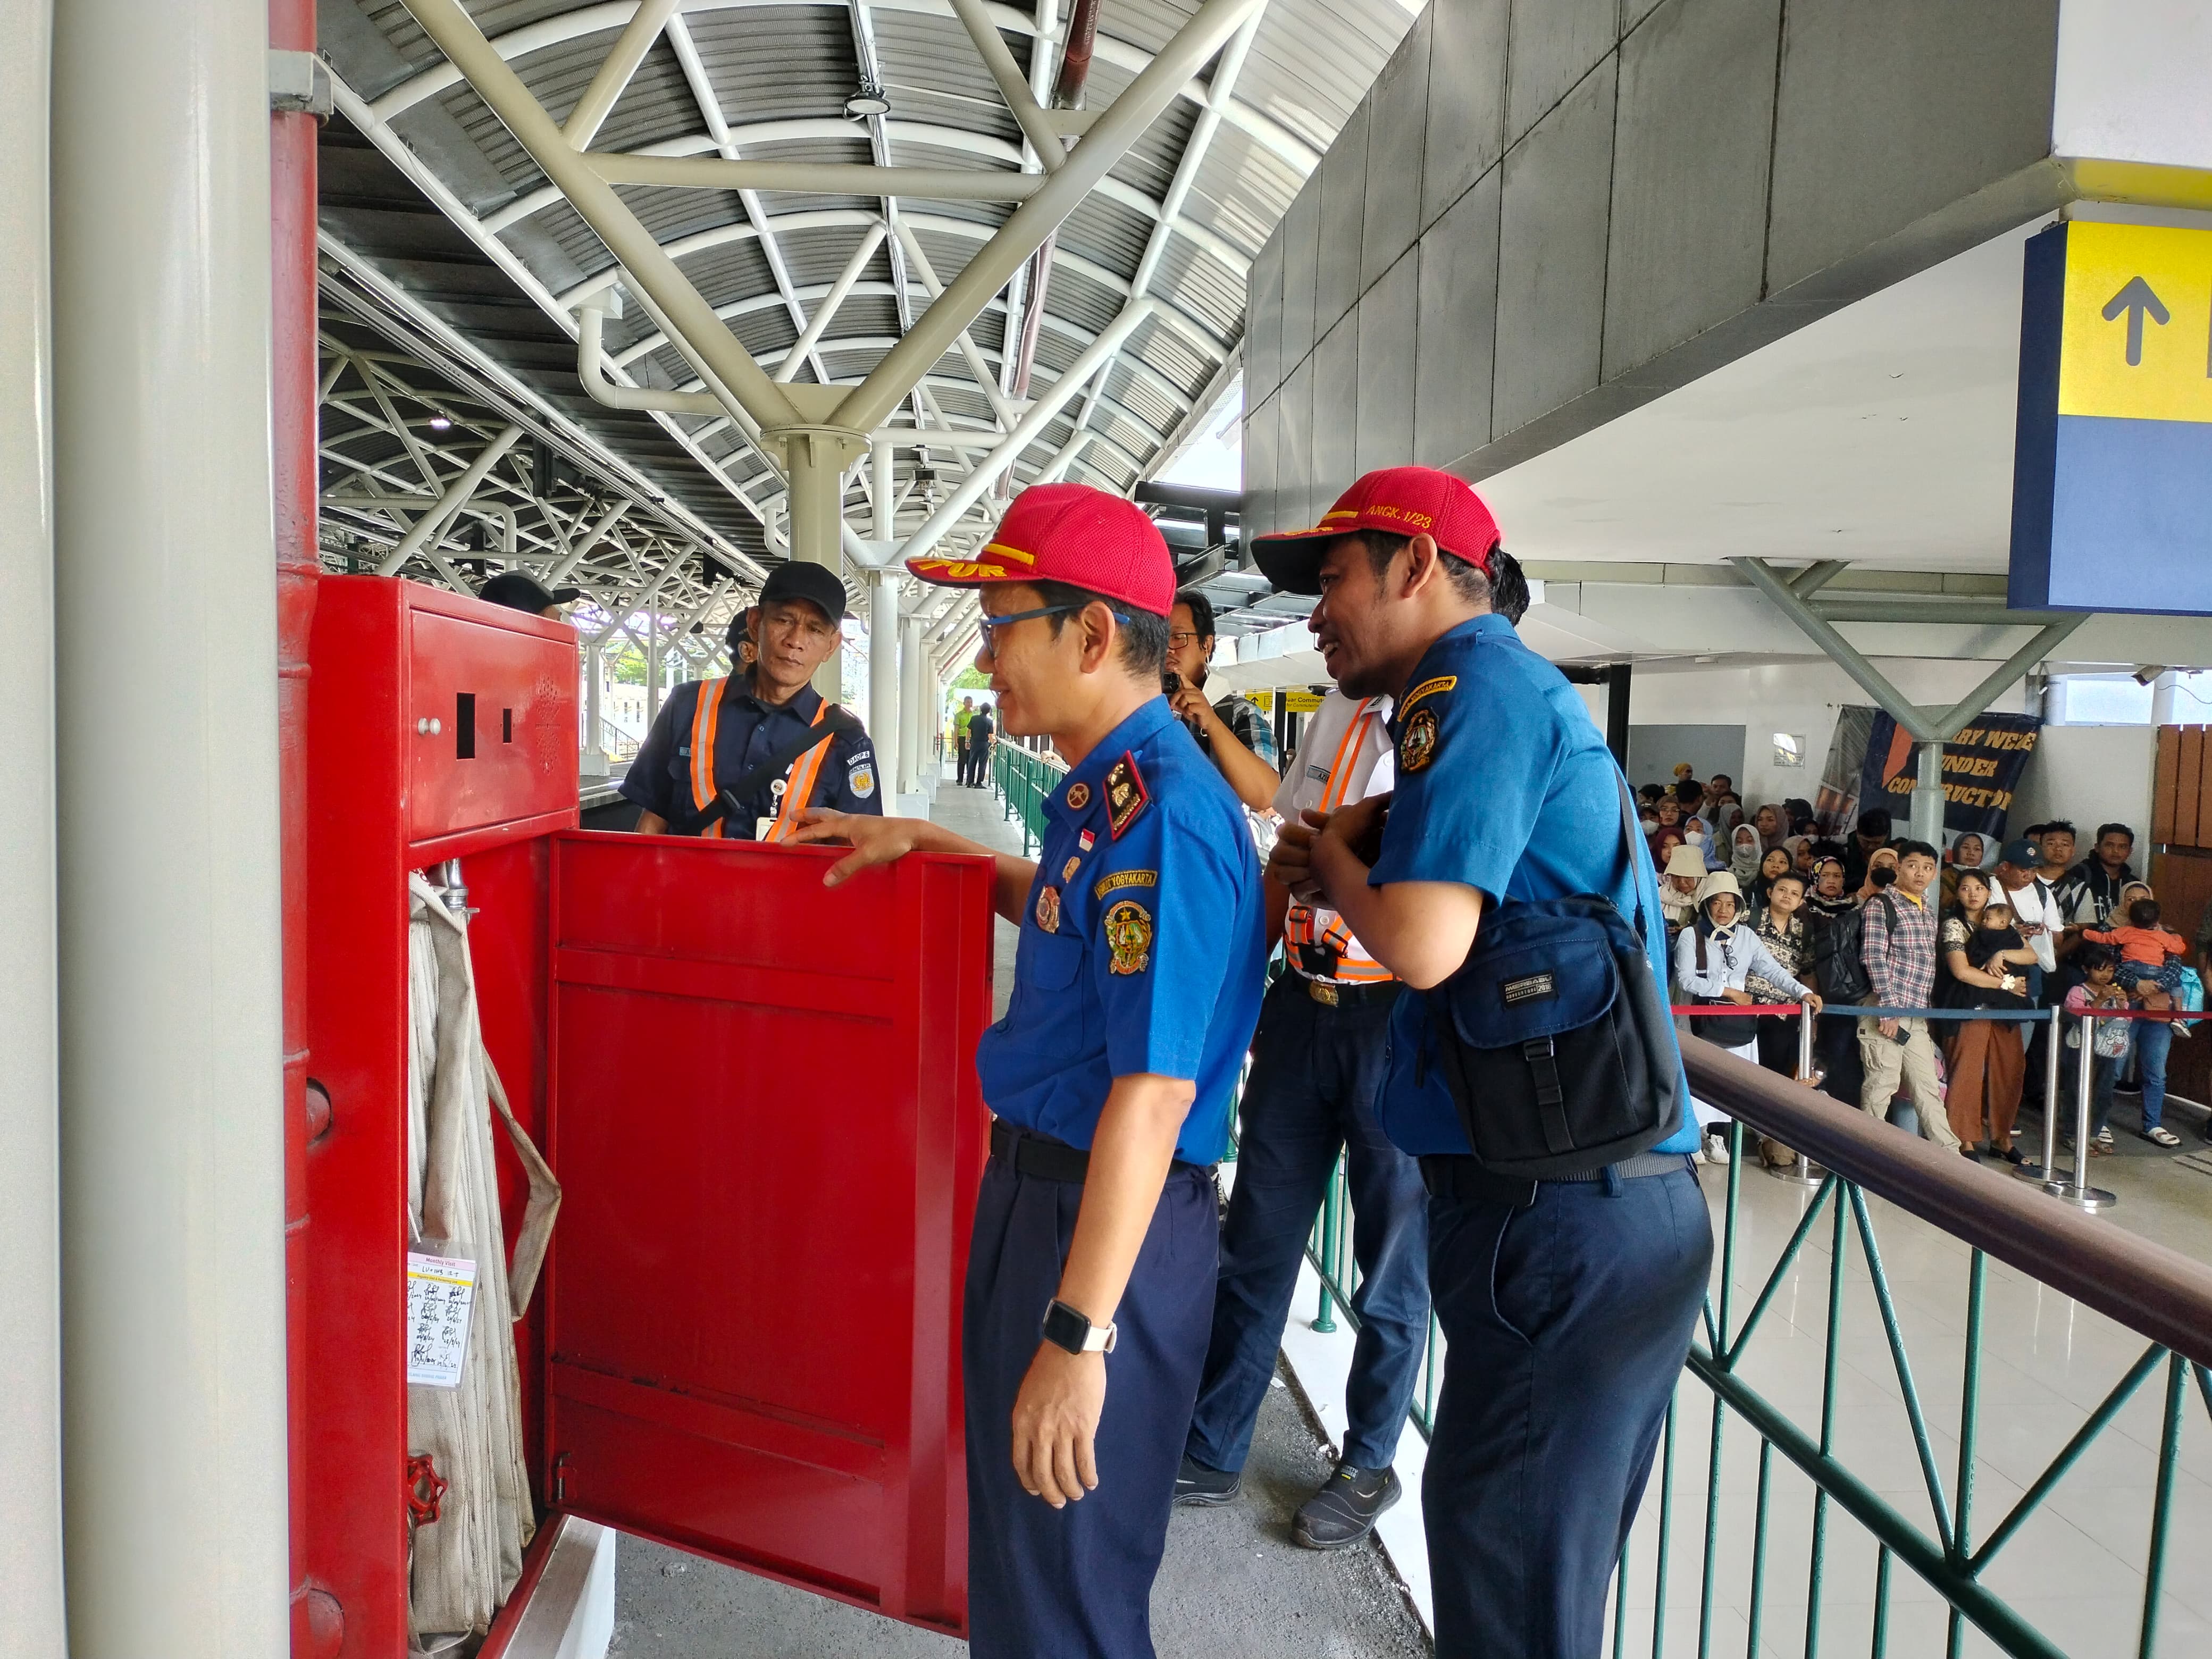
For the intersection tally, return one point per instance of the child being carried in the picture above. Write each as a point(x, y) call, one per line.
point(1995, 947)
point(2147, 951)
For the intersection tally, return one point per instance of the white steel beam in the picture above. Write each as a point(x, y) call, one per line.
point(615, 70)
point(1108, 139)
point(458, 491)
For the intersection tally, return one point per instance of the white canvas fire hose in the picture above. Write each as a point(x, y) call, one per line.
point(466, 1561)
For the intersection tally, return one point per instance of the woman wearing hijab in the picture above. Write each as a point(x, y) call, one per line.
point(1744, 855)
point(1677, 883)
point(1882, 871)
point(1699, 834)
point(1774, 866)
point(1828, 900)
point(1715, 957)
point(1985, 1058)
point(1963, 854)
point(1773, 828)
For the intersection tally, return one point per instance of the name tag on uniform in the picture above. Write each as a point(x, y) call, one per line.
point(761, 827)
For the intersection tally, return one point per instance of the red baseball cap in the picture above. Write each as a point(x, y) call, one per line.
point(1071, 533)
point(1402, 499)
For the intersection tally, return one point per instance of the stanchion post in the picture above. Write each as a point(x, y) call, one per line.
point(1803, 1171)
point(2078, 1192)
point(2045, 1172)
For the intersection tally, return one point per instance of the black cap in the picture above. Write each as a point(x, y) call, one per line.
point(817, 584)
point(519, 590)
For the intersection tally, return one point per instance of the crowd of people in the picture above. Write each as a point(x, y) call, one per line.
point(1763, 910)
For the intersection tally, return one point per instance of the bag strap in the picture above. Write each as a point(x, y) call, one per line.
point(831, 721)
point(1630, 838)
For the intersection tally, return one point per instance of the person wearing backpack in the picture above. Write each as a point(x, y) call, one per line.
point(1898, 929)
point(1566, 1298)
point(1839, 974)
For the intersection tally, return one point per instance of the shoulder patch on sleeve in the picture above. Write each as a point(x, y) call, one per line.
point(1125, 795)
point(1416, 744)
point(1428, 688)
point(1128, 929)
point(1120, 878)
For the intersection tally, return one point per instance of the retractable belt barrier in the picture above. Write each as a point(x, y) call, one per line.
point(2070, 1184)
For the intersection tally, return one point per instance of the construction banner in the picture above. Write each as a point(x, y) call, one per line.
point(1981, 770)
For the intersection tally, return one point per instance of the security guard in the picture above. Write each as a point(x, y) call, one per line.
point(1137, 980)
point(1316, 1065)
point(710, 734)
point(1566, 1306)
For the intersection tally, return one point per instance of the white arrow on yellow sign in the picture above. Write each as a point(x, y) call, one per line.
point(2137, 338)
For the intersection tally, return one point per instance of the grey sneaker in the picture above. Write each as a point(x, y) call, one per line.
point(1345, 1509)
point(1198, 1486)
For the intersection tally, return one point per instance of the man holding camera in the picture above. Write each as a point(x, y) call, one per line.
point(1233, 734)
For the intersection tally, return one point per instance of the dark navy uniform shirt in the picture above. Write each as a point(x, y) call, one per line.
point(1142, 947)
point(1504, 785)
point(746, 732)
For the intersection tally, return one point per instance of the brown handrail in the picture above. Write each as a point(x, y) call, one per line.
point(2157, 1292)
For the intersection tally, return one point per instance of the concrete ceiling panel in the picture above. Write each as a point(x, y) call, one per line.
point(1891, 109)
point(1551, 275)
point(1554, 44)
point(1336, 411)
point(1467, 99)
point(1398, 121)
point(1690, 174)
point(1343, 218)
point(1456, 328)
point(1384, 433)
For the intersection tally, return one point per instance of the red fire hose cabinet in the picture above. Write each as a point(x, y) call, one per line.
point(758, 1096)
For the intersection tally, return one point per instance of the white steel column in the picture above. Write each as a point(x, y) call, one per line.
point(915, 735)
point(171, 1135)
point(883, 674)
point(30, 1201)
point(654, 666)
point(595, 737)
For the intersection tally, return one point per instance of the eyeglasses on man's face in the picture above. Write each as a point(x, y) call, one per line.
point(992, 625)
point(1178, 641)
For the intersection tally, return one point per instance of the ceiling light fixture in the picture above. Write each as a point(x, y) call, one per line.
point(438, 423)
point(867, 101)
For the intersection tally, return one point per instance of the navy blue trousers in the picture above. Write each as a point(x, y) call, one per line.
point(1311, 1093)
point(1566, 1325)
point(1077, 1582)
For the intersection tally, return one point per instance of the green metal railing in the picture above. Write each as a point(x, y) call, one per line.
point(2159, 1295)
point(1025, 782)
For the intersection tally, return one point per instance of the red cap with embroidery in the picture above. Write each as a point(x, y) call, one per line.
point(1405, 501)
point(1071, 533)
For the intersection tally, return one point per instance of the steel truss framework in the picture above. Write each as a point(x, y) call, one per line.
point(753, 268)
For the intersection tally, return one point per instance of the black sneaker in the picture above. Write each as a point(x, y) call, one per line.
point(1344, 1511)
point(1199, 1488)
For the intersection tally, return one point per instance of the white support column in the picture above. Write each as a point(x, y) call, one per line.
point(916, 748)
point(653, 666)
point(171, 1042)
point(31, 1603)
point(595, 736)
point(883, 675)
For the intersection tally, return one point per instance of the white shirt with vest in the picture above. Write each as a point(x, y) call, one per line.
point(1344, 756)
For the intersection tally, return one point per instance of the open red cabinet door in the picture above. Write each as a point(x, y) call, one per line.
point(763, 1113)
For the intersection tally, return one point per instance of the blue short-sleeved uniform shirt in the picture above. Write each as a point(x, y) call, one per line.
point(1142, 947)
point(1505, 786)
point(746, 732)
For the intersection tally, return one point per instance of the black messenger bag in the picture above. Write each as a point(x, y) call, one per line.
point(1555, 1038)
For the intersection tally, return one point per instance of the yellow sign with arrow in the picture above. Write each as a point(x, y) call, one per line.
point(2137, 340)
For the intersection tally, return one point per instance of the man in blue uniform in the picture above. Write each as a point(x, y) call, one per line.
point(1137, 982)
point(1566, 1306)
point(719, 735)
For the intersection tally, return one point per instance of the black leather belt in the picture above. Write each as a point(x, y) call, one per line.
point(1046, 1159)
point(1344, 993)
point(1468, 1180)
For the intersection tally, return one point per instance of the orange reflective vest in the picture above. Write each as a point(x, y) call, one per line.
point(1301, 922)
point(798, 781)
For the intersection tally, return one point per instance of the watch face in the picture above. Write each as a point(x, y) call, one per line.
point(1064, 1327)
